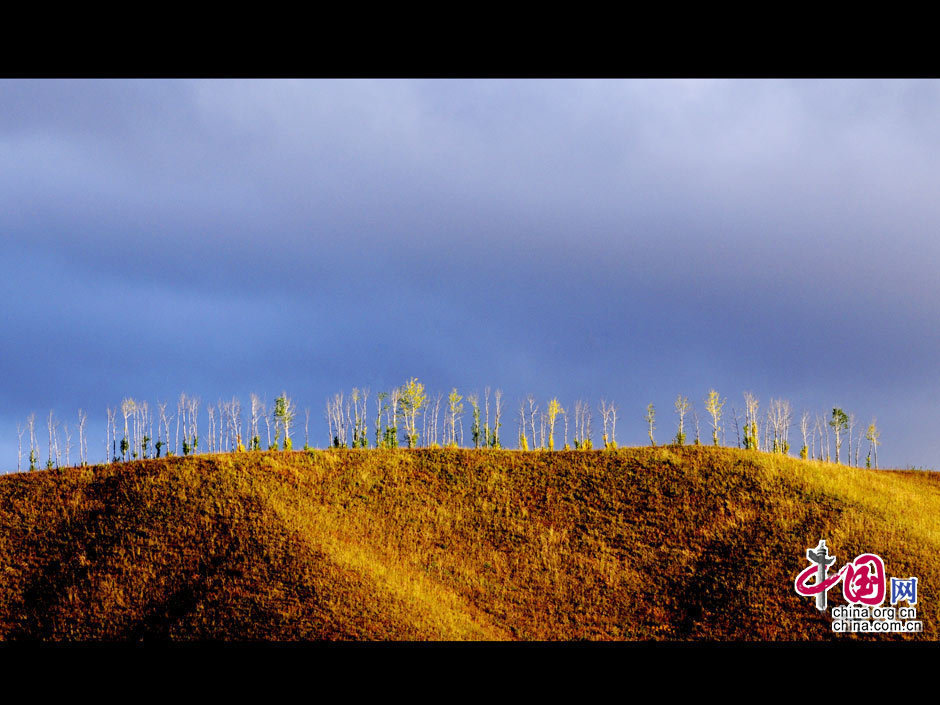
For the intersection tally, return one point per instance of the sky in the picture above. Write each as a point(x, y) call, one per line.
point(632, 240)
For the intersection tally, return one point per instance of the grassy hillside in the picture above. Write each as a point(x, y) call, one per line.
point(646, 543)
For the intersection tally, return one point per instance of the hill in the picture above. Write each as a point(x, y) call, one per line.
point(644, 543)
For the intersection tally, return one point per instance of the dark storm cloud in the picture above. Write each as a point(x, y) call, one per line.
point(632, 239)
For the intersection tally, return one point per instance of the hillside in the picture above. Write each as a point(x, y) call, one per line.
point(644, 543)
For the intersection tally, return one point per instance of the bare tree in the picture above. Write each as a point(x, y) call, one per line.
point(394, 397)
point(363, 431)
point(33, 444)
point(582, 425)
point(438, 401)
point(210, 410)
point(651, 422)
point(533, 410)
point(682, 408)
point(193, 418)
point(782, 419)
point(751, 434)
point(613, 425)
point(605, 416)
point(804, 431)
point(851, 426)
point(53, 441)
point(357, 418)
point(737, 427)
point(164, 441)
point(523, 442)
point(20, 430)
point(82, 448)
point(306, 427)
point(338, 413)
point(498, 408)
point(110, 450)
point(486, 417)
point(68, 445)
point(180, 417)
point(816, 431)
point(564, 414)
point(235, 412)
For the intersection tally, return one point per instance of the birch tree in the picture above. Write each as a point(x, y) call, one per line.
point(533, 410)
point(486, 417)
point(682, 408)
point(839, 423)
point(523, 442)
point(307, 428)
point(851, 429)
point(110, 452)
point(498, 408)
point(455, 410)
point(781, 415)
point(751, 436)
point(554, 409)
point(476, 427)
point(804, 431)
point(127, 408)
point(714, 405)
point(737, 426)
point(210, 410)
point(337, 420)
point(20, 430)
point(651, 422)
point(391, 429)
point(53, 443)
point(192, 415)
point(68, 444)
point(33, 445)
point(165, 437)
point(284, 412)
point(564, 414)
point(180, 415)
point(362, 439)
point(359, 424)
point(380, 406)
point(254, 433)
point(605, 416)
point(413, 401)
point(873, 435)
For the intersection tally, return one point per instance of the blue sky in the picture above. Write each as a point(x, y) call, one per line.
point(633, 240)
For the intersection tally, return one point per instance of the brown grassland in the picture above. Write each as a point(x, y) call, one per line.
point(692, 543)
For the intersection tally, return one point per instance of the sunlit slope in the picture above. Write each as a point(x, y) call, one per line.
point(692, 543)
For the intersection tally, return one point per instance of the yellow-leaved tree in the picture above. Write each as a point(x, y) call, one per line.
point(713, 405)
point(412, 399)
point(554, 409)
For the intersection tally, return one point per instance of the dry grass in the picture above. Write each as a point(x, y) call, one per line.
point(643, 543)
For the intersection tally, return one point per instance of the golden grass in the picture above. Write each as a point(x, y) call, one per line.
point(642, 543)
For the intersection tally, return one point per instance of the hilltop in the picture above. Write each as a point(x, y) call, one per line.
point(643, 543)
